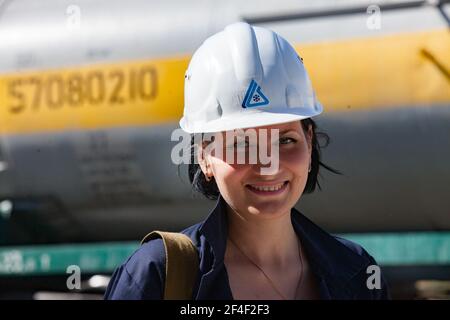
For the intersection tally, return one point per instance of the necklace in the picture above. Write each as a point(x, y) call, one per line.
point(267, 277)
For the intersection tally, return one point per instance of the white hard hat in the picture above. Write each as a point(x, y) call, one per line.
point(244, 77)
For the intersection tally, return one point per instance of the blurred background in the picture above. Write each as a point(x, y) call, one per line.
point(90, 92)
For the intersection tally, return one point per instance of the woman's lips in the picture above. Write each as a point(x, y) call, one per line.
point(268, 189)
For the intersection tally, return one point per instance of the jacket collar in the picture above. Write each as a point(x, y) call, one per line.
point(332, 262)
point(215, 230)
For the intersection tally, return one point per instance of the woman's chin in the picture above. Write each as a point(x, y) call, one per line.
point(268, 211)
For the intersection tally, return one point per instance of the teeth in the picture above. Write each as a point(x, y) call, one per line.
point(268, 188)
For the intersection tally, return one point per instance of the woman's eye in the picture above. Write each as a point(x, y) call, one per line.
point(238, 145)
point(287, 140)
point(241, 143)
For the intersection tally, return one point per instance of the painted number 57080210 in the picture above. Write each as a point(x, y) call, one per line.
point(95, 87)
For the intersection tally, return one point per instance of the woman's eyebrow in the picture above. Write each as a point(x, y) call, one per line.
point(287, 131)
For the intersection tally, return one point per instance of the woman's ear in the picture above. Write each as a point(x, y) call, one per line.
point(203, 162)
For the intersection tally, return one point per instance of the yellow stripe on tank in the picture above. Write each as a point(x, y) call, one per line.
point(107, 95)
point(397, 70)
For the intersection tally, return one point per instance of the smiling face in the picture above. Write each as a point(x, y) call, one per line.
point(244, 187)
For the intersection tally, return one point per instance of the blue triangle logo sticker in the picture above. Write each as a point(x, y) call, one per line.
point(254, 96)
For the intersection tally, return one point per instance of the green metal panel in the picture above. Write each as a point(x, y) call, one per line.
point(421, 248)
point(47, 260)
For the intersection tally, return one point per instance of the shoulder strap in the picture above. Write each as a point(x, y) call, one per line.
point(181, 264)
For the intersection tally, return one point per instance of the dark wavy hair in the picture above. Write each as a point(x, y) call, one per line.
point(210, 190)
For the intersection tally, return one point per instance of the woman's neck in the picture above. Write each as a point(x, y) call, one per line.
point(266, 241)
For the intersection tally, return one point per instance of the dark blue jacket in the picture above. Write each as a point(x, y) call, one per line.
point(339, 265)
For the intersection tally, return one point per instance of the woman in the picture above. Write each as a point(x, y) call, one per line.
point(249, 99)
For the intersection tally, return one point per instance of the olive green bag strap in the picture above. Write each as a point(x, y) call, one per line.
point(181, 264)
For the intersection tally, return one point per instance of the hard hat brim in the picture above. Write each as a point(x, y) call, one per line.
point(253, 118)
